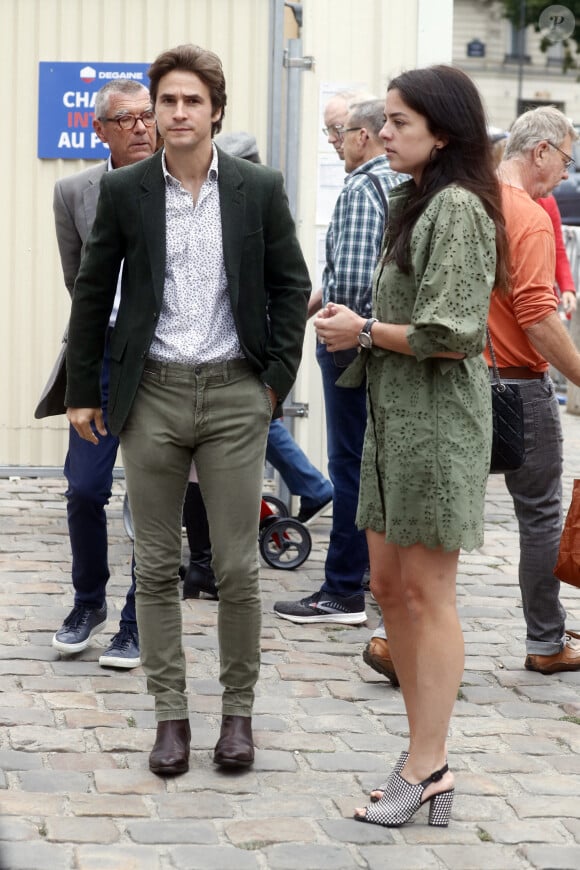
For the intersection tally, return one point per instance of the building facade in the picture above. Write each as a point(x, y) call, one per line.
point(508, 65)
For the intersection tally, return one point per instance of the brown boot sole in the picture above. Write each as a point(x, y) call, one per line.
point(169, 769)
point(556, 668)
point(379, 666)
point(232, 763)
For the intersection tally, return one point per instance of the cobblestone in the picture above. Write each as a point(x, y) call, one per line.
point(75, 790)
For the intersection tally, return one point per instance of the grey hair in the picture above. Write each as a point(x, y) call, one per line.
point(546, 123)
point(350, 98)
point(116, 86)
point(370, 115)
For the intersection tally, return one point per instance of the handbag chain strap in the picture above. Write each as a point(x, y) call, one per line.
point(496, 375)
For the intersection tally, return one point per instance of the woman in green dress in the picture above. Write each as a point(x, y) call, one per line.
point(428, 440)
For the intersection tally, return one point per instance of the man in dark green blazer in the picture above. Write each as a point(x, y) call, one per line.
point(205, 348)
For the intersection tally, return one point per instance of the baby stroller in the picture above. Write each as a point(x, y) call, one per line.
point(284, 542)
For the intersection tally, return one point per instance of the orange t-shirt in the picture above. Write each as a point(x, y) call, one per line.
point(531, 299)
point(564, 278)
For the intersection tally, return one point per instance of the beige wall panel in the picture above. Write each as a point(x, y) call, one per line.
point(34, 301)
point(366, 40)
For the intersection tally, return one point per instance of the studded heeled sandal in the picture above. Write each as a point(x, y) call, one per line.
point(401, 761)
point(402, 799)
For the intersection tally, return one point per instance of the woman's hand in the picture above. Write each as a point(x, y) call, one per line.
point(338, 327)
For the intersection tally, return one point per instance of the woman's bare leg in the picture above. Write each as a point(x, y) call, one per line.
point(415, 588)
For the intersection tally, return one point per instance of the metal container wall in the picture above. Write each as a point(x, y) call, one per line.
point(351, 40)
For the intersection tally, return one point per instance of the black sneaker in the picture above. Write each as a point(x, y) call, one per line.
point(305, 515)
point(79, 626)
point(123, 651)
point(323, 608)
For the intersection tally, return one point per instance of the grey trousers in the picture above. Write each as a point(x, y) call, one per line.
point(218, 415)
point(536, 489)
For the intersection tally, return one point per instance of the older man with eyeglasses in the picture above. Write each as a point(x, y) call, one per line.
point(124, 120)
point(353, 243)
point(528, 336)
point(335, 116)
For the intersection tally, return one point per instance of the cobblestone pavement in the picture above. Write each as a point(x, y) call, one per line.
point(75, 791)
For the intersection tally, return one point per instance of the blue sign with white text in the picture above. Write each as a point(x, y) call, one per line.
point(66, 99)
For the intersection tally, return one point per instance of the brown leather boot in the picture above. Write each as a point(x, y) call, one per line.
point(377, 656)
point(568, 659)
point(235, 748)
point(170, 755)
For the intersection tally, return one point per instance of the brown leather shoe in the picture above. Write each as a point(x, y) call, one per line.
point(377, 656)
point(568, 659)
point(170, 755)
point(235, 748)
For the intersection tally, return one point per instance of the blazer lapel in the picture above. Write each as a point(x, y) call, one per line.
point(152, 207)
point(233, 209)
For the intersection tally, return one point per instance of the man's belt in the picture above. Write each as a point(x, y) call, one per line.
point(519, 373)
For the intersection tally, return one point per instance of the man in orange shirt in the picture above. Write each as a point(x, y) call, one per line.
point(528, 336)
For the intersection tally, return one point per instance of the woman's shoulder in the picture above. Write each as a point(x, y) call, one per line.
point(455, 204)
point(455, 195)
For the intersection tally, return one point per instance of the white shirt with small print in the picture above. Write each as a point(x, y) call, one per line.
point(196, 324)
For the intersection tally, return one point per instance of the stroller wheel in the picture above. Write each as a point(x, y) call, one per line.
point(285, 543)
point(276, 505)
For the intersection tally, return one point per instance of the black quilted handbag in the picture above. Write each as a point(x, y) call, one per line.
point(507, 451)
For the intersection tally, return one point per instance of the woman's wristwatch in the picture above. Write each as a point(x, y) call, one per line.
point(365, 338)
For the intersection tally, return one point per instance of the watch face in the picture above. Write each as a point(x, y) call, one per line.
point(364, 339)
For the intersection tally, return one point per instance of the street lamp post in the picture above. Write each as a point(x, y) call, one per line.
point(521, 46)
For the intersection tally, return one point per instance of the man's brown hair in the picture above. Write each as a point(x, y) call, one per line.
point(192, 58)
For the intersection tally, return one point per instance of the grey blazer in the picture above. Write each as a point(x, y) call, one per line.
point(75, 205)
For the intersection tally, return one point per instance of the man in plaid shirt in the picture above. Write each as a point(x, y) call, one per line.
point(353, 244)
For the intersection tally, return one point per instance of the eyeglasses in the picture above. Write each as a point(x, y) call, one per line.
point(334, 130)
point(127, 122)
point(569, 162)
point(338, 130)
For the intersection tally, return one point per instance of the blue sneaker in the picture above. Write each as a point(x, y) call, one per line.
point(79, 626)
point(123, 651)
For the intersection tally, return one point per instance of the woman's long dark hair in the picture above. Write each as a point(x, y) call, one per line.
point(452, 108)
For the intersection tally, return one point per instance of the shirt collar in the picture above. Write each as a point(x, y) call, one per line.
point(212, 174)
point(379, 160)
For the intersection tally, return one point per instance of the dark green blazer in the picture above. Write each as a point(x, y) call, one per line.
point(267, 278)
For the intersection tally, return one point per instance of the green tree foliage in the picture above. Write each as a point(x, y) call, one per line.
point(533, 8)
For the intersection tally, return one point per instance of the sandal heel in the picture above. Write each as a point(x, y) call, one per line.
point(440, 808)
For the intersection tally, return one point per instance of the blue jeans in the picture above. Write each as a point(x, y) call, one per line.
point(536, 489)
point(88, 469)
point(296, 470)
point(346, 418)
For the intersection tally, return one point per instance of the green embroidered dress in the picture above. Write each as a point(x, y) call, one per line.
point(428, 439)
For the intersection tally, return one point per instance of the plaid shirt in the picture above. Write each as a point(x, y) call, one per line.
point(354, 237)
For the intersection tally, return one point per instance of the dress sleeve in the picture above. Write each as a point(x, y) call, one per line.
point(453, 257)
